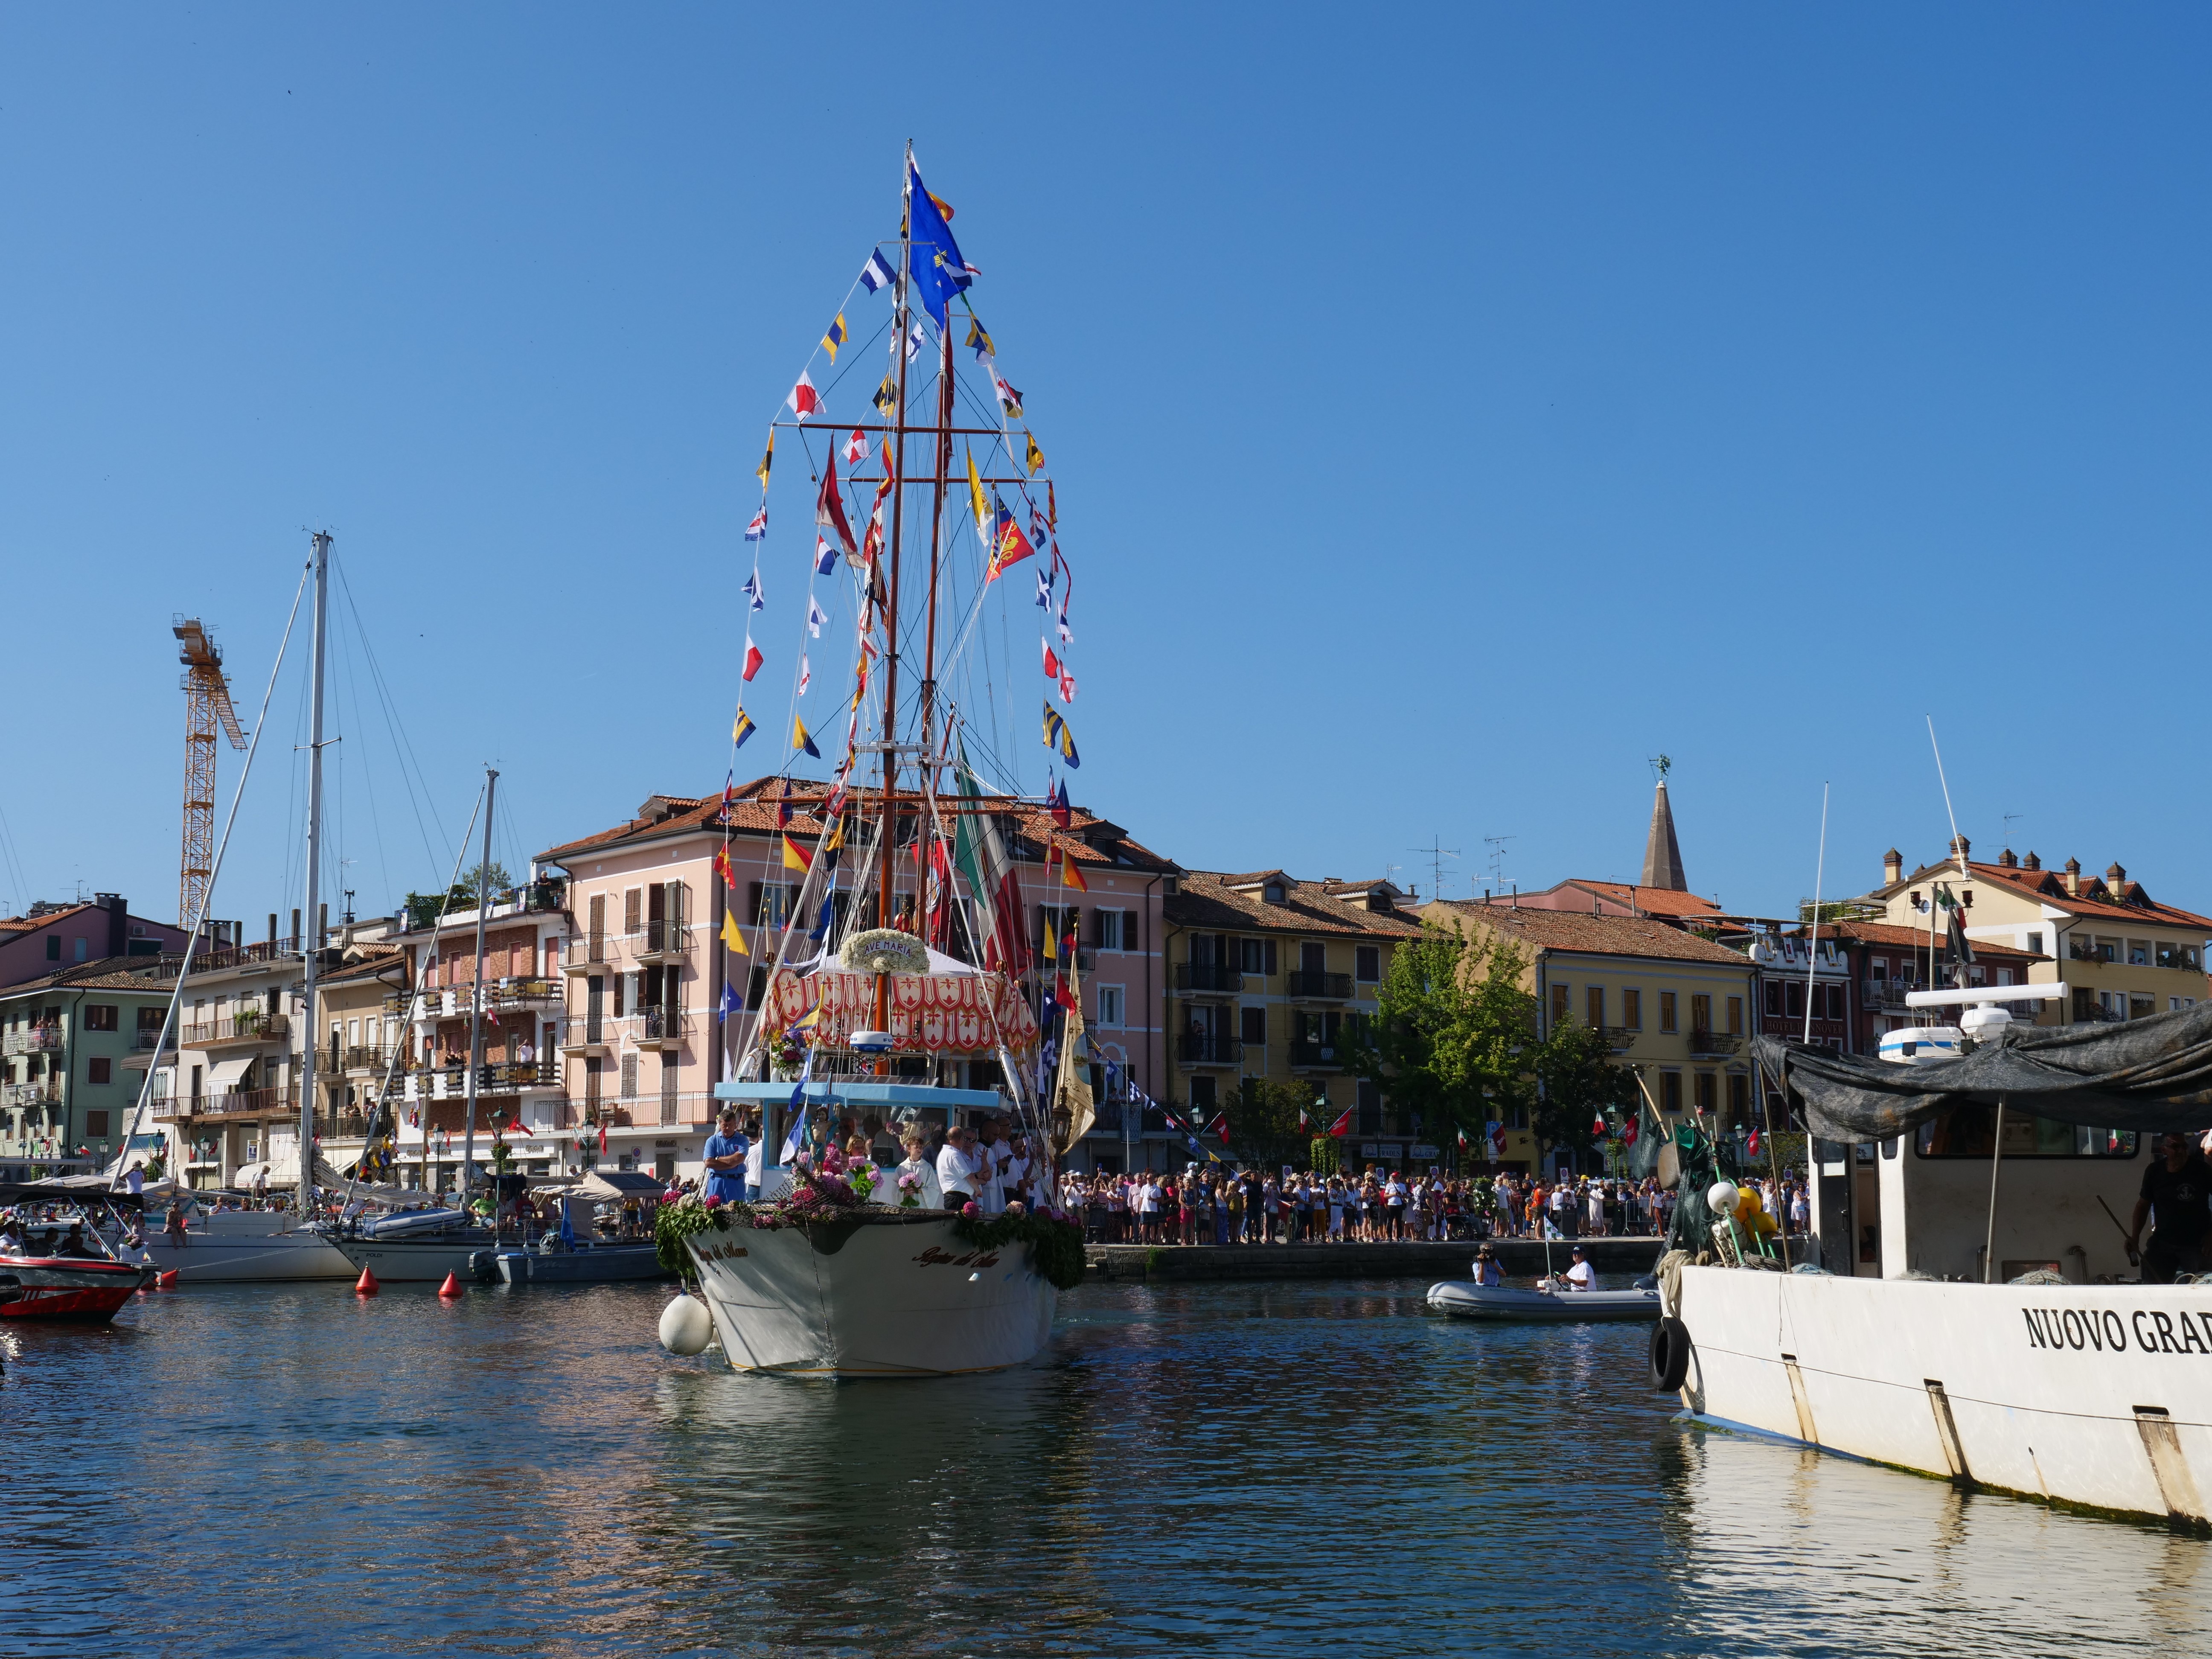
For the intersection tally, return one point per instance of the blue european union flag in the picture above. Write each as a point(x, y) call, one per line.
point(939, 272)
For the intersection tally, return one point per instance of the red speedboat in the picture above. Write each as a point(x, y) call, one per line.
point(66, 1287)
point(36, 1284)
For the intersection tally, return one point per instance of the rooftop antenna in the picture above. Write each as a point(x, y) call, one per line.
point(2010, 819)
point(1438, 852)
point(1496, 845)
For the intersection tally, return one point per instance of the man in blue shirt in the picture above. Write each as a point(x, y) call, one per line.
point(726, 1159)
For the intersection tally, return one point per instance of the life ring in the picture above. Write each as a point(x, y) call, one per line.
point(1670, 1354)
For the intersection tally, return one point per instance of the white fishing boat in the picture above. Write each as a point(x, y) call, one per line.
point(223, 1247)
point(1994, 1333)
point(919, 976)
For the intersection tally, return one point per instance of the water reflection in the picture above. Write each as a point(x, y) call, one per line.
point(1255, 1469)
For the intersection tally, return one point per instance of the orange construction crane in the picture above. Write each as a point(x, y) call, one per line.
point(207, 700)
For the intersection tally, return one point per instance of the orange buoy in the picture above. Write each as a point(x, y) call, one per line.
point(166, 1281)
point(366, 1285)
point(451, 1287)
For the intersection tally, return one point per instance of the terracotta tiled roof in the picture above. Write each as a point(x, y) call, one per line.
point(30, 924)
point(107, 974)
point(2131, 904)
point(375, 959)
point(1882, 932)
point(1652, 901)
point(1575, 930)
point(1209, 899)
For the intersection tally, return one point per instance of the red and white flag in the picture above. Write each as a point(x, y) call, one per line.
point(1219, 1128)
point(1052, 668)
point(806, 674)
point(1342, 1127)
point(856, 447)
point(1066, 686)
point(1752, 1146)
point(805, 399)
point(830, 509)
point(753, 658)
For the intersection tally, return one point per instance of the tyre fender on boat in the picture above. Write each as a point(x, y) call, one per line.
point(1670, 1353)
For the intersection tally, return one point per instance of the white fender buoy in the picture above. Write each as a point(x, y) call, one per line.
point(686, 1326)
point(1720, 1198)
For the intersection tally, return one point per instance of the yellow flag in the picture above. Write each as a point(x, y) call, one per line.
point(732, 935)
point(768, 460)
point(975, 495)
point(1035, 455)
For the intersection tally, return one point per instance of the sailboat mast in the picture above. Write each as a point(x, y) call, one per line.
point(476, 998)
point(902, 322)
point(311, 948)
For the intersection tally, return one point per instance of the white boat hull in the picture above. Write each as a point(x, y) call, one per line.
point(270, 1257)
point(847, 1300)
point(1467, 1300)
point(2099, 1395)
point(415, 1260)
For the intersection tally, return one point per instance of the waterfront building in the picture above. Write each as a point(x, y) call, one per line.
point(2124, 954)
point(1672, 1005)
point(74, 1049)
point(520, 1092)
point(50, 937)
point(360, 1014)
point(642, 1042)
point(1270, 976)
point(226, 1093)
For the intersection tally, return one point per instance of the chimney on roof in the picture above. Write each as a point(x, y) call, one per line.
point(1892, 867)
point(1960, 847)
point(2116, 875)
point(2031, 862)
point(2073, 877)
point(2008, 860)
point(119, 923)
point(1663, 852)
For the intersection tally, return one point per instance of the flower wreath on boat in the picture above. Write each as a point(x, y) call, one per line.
point(883, 951)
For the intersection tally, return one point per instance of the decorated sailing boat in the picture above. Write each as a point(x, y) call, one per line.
point(897, 986)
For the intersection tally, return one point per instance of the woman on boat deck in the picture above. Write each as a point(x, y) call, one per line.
point(892, 1189)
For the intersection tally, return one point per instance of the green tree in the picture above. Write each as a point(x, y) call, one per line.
point(1263, 1122)
point(1452, 1033)
point(1577, 1081)
point(425, 909)
point(493, 875)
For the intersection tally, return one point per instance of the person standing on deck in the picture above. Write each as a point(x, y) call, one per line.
point(2175, 1188)
point(725, 1154)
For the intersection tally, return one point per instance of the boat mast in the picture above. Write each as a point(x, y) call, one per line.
point(476, 1001)
point(902, 321)
point(311, 947)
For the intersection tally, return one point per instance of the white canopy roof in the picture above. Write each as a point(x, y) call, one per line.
point(226, 1074)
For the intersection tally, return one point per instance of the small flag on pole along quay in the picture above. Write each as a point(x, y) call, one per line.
point(729, 1005)
point(758, 527)
point(1342, 1127)
point(740, 729)
point(877, 274)
point(723, 866)
point(768, 460)
point(825, 556)
point(834, 336)
point(753, 659)
point(1035, 457)
point(805, 400)
point(732, 935)
point(1219, 1128)
point(1752, 1146)
point(856, 446)
point(886, 398)
point(799, 740)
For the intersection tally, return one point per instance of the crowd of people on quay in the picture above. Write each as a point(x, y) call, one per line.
point(1220, 1204)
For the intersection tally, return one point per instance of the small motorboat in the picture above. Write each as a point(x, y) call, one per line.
point(37, 1282)
point(1468, 1300)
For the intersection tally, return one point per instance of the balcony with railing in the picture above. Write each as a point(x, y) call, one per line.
point(25, 1096)
point(661, 941)
point(236, 1030)
point(1205, 1048)
point(501, 1077)
point(31, 1040)
point(1618, 1038)
point(362, 1057)
point(2079, 949)
point(1304, 983)
point(1208, 976)
point(586, 1033)
point(657, 1028)
point(242, 1103)
point(1315, 1056)
point(1714, 1043)
point(588, 953)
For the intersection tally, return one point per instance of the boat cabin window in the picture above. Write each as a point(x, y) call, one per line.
point(1964, 1131)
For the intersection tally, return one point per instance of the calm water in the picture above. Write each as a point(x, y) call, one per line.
point(1240, 1469)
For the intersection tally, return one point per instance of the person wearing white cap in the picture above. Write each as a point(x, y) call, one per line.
point(1582, 1276)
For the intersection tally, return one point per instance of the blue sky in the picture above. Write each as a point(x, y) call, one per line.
point(1451, 410)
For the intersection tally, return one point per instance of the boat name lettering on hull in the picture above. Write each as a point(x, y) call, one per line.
point(934, 1257)
point(2106, 1330)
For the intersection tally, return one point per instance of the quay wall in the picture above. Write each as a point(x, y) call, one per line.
point(1518, 1258)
